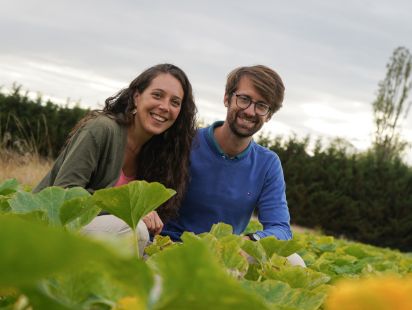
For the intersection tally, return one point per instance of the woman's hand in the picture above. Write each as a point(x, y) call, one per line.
point(154, 223)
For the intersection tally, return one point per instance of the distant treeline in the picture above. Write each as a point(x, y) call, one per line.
point(333, 188)
point(28, 125)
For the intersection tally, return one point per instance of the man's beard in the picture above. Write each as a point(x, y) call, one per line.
point(242, 132)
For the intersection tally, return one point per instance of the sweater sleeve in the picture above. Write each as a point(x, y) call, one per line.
point(273, 212)
point(80, 161)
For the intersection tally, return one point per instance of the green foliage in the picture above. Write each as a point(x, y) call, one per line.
point(281, 296)
point(133, 201)
point(283, 248)
point(51, 250)
point(28, 125)
point(296, 276)
point(49, 203)
point(8, 187)
point(252, 227)
point(45, 266)
point(192, 278)
point(159, 243)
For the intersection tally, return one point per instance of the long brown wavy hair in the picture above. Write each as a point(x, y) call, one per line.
point(165, 157)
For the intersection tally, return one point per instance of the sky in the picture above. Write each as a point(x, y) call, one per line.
point(331, 55)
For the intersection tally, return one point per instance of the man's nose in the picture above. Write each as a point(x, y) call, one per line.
point(250, 110)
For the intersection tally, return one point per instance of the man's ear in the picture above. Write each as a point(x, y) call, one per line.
point(226, 100)
point(268, 117)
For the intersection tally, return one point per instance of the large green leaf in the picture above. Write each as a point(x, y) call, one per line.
point(225, 246)
point(4, 204)
point(78, 212)
point(221, 230)
point(280, 294)
point(40, 300)
point(159, 244)
point(31, 251)
point(49, 200)
point(253, 272)
point(253, 226)
point(211, 241)
point(94, 284)
point(356, 250)
point(8, 187)
point(296, 276)
point(232, 256)
point(191, 278)
point(280, 247)
point(255, 250)
point(133, 201)
point(325, 244)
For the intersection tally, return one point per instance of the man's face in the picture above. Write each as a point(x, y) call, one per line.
point(245, 122)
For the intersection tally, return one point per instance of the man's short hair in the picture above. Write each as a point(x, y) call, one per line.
point(266, 81)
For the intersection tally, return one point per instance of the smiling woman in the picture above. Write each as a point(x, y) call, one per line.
point(144, 132)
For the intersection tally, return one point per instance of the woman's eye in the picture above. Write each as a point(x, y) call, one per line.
point(176, 103)
point(156, 95)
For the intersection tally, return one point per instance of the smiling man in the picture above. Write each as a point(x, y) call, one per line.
point(231, 175)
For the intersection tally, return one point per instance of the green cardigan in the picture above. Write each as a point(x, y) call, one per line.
point(92, 159)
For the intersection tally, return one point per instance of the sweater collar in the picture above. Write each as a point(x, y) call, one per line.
point(212, 140)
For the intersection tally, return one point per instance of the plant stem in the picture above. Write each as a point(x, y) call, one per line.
point(136, 241)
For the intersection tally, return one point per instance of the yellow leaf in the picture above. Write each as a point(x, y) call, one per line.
point(380, 293)
point(130, 303)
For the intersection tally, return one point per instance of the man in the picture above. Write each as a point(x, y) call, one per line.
point(231, 175)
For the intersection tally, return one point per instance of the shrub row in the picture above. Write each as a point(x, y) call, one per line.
point(346, 193)
point(28, 125)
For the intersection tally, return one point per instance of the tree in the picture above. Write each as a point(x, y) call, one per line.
point(391, 106)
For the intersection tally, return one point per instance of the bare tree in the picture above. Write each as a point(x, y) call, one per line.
point(391, 106)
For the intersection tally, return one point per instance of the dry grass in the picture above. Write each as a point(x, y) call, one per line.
point(28, 169)
point(300, 229)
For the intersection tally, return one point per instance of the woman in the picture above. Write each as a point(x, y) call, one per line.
point(144, 132)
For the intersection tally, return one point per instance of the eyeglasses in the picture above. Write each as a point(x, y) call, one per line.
point(243, 102)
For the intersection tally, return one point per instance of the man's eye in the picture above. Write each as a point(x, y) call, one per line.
point(244, 98)
point(261, 106)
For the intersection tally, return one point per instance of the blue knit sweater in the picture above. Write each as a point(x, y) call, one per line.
point(224, 189)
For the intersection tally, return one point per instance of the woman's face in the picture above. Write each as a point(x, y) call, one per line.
point(159, 105)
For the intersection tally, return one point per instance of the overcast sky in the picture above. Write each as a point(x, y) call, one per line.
point(330, 54)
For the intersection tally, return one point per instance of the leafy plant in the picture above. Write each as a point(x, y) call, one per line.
point(49, 206)
point(133, 201)
point(46, 264)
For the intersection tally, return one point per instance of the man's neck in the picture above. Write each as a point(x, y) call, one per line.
point(230, 143)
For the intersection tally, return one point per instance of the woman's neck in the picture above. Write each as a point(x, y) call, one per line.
point(134, 143)
point(135, 139)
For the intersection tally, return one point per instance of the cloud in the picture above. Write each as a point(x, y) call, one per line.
point(331, 56)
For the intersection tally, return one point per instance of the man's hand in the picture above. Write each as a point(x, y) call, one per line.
point(154, 223)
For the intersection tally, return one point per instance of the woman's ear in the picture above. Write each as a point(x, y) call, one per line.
point(135, 98)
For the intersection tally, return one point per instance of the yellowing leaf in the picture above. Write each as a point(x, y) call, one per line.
point(384, 293)
point(130, 303)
